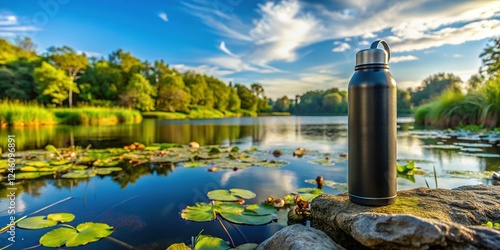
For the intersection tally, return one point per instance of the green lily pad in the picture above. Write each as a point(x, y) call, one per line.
point(31, 175)
point(81, 235)
point(206, 242)
point(406, 169)
point(107, 163)
point(29, 169)
point(247, 218)
point(261, 209)
point(451, 147)
point(38, 222)
point(247, 246)
point(58, 162)
point(78, 174)
point(78, 167)
point(206, 212)
point(322, 161)
point(470, 174)
point(194, 164)
point(308, 194)
point(230, 195)
point(38, 164)
point(106, 171)
point(178, 246)
point(272, 163)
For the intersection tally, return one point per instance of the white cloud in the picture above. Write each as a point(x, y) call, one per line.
point(223, 47)
point(364, 43)
point(204, 69)
point(408, 84)
point(452, 35)
point(342, 47)
point(89, 53)
point(457, 55)
point(163, 16)
point(8, 20)
point(396, 59)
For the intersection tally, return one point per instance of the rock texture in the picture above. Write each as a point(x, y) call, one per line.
point(420, 219)
point(299, 237)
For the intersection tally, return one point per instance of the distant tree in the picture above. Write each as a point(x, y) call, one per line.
point(25, 43)
point(139, 94)
point(233, 102)
point(172, 95)
point(491, 58)
point(282, 104)
point(248, 100)
point(331, 102)
point(54, 82)
point(434, 85)
point(11, 53)
point(198, 89)
point(73, 64)
point(475, 82)
point(257, 90)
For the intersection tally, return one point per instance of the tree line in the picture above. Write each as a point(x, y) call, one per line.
point(62, 77)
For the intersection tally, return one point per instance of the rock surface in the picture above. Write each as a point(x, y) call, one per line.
point(299, 237)
point(421, 218)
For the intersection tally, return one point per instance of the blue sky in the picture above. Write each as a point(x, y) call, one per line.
point(288, 46)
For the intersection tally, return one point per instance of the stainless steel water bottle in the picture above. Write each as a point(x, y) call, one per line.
point(372, 129)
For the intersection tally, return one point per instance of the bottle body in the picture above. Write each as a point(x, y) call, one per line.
point(372, 135)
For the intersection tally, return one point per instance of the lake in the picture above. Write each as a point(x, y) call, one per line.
point(144, 205)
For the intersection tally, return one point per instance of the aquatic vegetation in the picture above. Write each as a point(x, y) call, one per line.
point(83, 234)
point(406, 171)
point(308, 194)
point(39, 222)
point(490, 224)
point(342, 187)
point(203, 242)
point(230, 195)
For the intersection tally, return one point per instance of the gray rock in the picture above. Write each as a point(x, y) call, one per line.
point(299, 237)
point(420, 219)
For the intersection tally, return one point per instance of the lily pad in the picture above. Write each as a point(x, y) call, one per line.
point(106, 171)
point(261, 209)
point(452, 147)
point(470, 174)
point(206, 242)
point(206, 212)
point(31, 175)
point(477, 145)
point(81, 235)
point(38, 164)
point(38, 222)
point(308, 194)
point(230, 195)
point(29, 169)
point(178, 246)
point(322, 161)
point(107, 163)
point(247, 218)
point(194, 164)
point(79, 174)
point(58, 162)
point(272, 163)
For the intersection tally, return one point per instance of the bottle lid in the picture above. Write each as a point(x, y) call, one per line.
point(374, 55)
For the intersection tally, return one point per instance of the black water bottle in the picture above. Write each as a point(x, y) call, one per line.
point(372, 129)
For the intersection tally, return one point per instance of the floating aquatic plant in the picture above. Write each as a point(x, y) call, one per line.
point(38, 222)
point(83, 234)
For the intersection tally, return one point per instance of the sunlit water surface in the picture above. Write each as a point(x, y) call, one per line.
point(144, 206)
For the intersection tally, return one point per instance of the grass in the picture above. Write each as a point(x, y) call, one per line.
point(164, 115)
point(16, 113)
point(454, 109)
point(97, 116)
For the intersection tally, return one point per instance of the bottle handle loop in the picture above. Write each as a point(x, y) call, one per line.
point(386, 47)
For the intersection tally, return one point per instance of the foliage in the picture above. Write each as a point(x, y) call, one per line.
point(139, 94)
point(435, 85)
point(83, 234)
point(17, 113)
point(54, 83)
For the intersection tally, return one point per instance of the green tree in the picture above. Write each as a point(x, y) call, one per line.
point(139, 94)
point(491, 58)
point(331, 102)
point(198, 89)
point(25, 43)
point(54, 82)
point(172, 95)
point(248, 100)
point(73, 64)
point(282, 104)
point(12, 53)
point(475, 82)
point(234, 102)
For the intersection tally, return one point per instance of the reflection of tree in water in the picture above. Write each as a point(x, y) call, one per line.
point(31, 187)
point(320, 131)
point(132, 173)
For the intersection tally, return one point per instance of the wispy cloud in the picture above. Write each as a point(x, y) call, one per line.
point(11, 26)
point(223, 47)
point(89, 53)
point(163, 16)
point(396, 59)
point(341, 47)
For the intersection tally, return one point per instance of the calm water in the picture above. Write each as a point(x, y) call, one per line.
point(144, 205)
